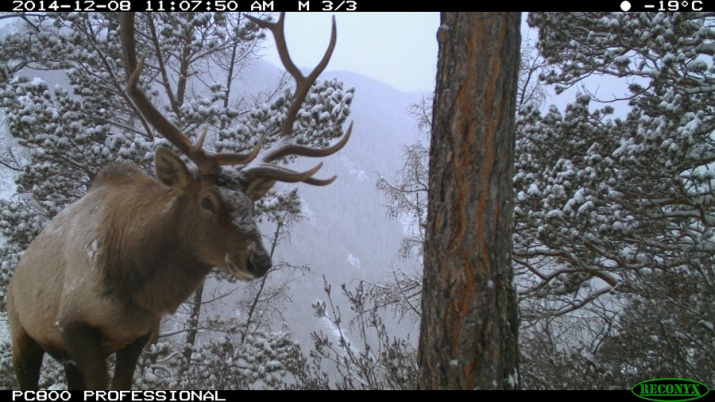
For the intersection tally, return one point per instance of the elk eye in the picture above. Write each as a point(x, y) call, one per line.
point(208, 204)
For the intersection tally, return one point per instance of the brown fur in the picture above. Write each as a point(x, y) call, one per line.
point(103, 272)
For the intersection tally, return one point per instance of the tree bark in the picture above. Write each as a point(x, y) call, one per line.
point(468, 336)
point(193, 323)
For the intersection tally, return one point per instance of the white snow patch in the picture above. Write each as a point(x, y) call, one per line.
point(512, 380)
point(354, 261)
point(241, 208)
point(335, 332)
point(358, 173)
point(92, 249)
point(533, 189)
point(4, 329)
point(253, 247)
point(307, 212)
point(36, 82)
point(54, 230)
point(73, 285)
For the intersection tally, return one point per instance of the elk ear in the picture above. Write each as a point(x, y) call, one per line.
point(171, 170)
point(258, 188)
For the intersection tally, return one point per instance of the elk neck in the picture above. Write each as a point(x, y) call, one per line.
point(150, 261)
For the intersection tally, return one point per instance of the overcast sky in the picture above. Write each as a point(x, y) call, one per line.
point(399, 49)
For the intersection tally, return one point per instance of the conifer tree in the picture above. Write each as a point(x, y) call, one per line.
point(619, 214)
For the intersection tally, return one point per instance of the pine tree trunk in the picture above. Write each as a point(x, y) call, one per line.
point(193, 324)
point(469, 323)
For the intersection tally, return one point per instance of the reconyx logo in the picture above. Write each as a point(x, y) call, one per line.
point(670, 389)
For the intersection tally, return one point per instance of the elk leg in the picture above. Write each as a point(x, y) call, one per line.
point(83, 346)
point(27, 359)
point(73, 376)
point(126, 362)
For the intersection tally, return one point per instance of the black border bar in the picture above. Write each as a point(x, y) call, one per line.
point(337, 6)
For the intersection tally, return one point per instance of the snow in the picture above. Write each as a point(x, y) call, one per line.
point(354, 262)
point(533, 189)
point(72, 285)
point(512, 380)
point(359, 174)
point(92, 250)
point(241, 208)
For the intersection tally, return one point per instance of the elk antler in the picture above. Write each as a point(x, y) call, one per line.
point(208, 163)
point(284, 146)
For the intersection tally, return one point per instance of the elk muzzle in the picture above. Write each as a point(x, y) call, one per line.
point(251, 266)
point(258, 264)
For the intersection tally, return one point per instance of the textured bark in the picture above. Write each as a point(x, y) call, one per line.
point(193, 324)
point(468, 336)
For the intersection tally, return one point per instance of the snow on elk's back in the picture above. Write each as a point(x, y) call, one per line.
point(92, 249)
point(71, 286)
point(54, 230)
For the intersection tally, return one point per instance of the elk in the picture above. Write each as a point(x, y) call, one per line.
point(99, 277)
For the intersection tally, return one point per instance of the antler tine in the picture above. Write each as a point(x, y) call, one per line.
point(286, 147)
point(319, 182)
point(303, 84)
point(133, 72)
point(207, 163)
point(274, 172)
point(295, 149)
point(278, 173)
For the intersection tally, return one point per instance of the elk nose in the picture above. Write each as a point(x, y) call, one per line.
point(259, 264)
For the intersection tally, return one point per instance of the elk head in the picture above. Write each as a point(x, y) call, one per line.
point(223, 196)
